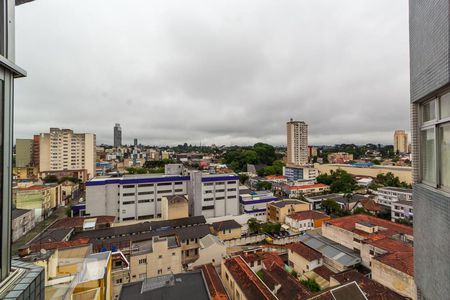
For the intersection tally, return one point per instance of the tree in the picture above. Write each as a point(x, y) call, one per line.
point(50, 179)
point(263, 186)
point(330, 206)
point(311, 285)
point(243, 178)
point(253, 225)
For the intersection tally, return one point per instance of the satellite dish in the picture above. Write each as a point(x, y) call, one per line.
point(43, 251)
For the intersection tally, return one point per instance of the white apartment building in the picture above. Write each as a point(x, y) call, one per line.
point(62, 149)
point(388, 195)
point(294, 173)
point(399, 200)
point(133, 197)
point(255, 204)
point(214, 195)
point(297, 142)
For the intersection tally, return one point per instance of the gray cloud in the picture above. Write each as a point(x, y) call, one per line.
point(221, 72)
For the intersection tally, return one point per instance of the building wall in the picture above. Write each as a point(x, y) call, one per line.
point(300, 264)
point(403, 173)
point(276, 214)
point(400, 141)
point(393, 279)
point(128, 200)
point(229, 234)
point(160, 261)
point(175, 210)
point(430, 74)
point(22, 225)
point(24, 152)
point(234, 290)
point(341, 236)
point(297, 143)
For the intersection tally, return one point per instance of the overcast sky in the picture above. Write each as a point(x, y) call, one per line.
point(223, 72)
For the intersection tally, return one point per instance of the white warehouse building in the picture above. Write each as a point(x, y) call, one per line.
point(214, 195)
point(138, 197)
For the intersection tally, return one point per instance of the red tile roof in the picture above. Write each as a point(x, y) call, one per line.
point(275, 177)
point(324, 272)
point(271, 259)
point(291, 289)
point(77, 222)
point(26, 250)
point(401, 261)
point(389, 228)
point(308, 215)
point(372, 289)
point(305, 251)
point(305, 187)
point(371, 205)
point(215, 286)
point(247, 280)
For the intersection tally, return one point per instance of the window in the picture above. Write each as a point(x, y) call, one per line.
point(146, 185)
point(178, 182)
point(128, 194)
point(144, 201)
point(145, 193)
point(160, 256)
point(127, 202)
point(164, 183)
point(435, 142)
point(160, 271)
point(173, 253)
point(444, 141)
point(128, 186)
point(142, 261)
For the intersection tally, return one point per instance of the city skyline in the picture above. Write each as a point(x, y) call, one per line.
point(224, 100)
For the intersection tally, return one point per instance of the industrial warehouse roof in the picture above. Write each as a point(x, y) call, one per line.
point(330, 249)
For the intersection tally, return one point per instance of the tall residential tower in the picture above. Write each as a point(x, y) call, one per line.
point(400, 141)
point(297, 143)
point(117, 135)
point(429, 23)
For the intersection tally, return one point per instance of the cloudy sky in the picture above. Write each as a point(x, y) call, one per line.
point(224, 72)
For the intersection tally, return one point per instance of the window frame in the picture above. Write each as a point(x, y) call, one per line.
point(437, 123)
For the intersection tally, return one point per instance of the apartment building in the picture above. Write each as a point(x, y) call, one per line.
point(255, 204)
point(154, 257)
point(297, 143)
point(296, 191)
point(278, 210)
point(117, 136)
point(64, 150)
point(400, 141)
point(24, 153)
point(294, 173)
point(399, 200)
point(132, 197)
point(214, 195)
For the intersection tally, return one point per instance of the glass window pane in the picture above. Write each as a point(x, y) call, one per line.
point(429, 111)
point(444, 141)
point(445, 106)
point(428, 156)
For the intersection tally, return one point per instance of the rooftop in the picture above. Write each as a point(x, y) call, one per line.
point(401, 261)
point(305, 251)
point(176, 199)
point(19, 212)
point(189, 285)
point(225, 225)
point(250, 284)
point(371, 205)
point(77, 222)
point(308, 215)
point(306, 187)
point(215, 285)
point(347, 291)
point(52, 235)
point(386, 228)
point(291, 289)
point(372, 289)
point(396, 189)
point(283, 203)
point(331, 249)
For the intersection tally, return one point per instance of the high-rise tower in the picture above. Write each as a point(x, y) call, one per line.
point(297, 143)
point(117, 135)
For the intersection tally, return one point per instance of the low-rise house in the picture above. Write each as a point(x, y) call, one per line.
point(316, 201)
point(306, 220)
point(212, 251)
point(303, 258)
point(158, 256)
point(227, 230)
point(241, 281)
point(372, 289)
point(371, 206)
point(295, 191)
point(278, 210)
point(22, 221)
point(336, 257)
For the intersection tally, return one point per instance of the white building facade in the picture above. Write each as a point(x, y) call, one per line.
point(388, 195)
point(297, 142)
point(213, 195)
point(136, 197)
point(255, 204)
point(294, 173)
